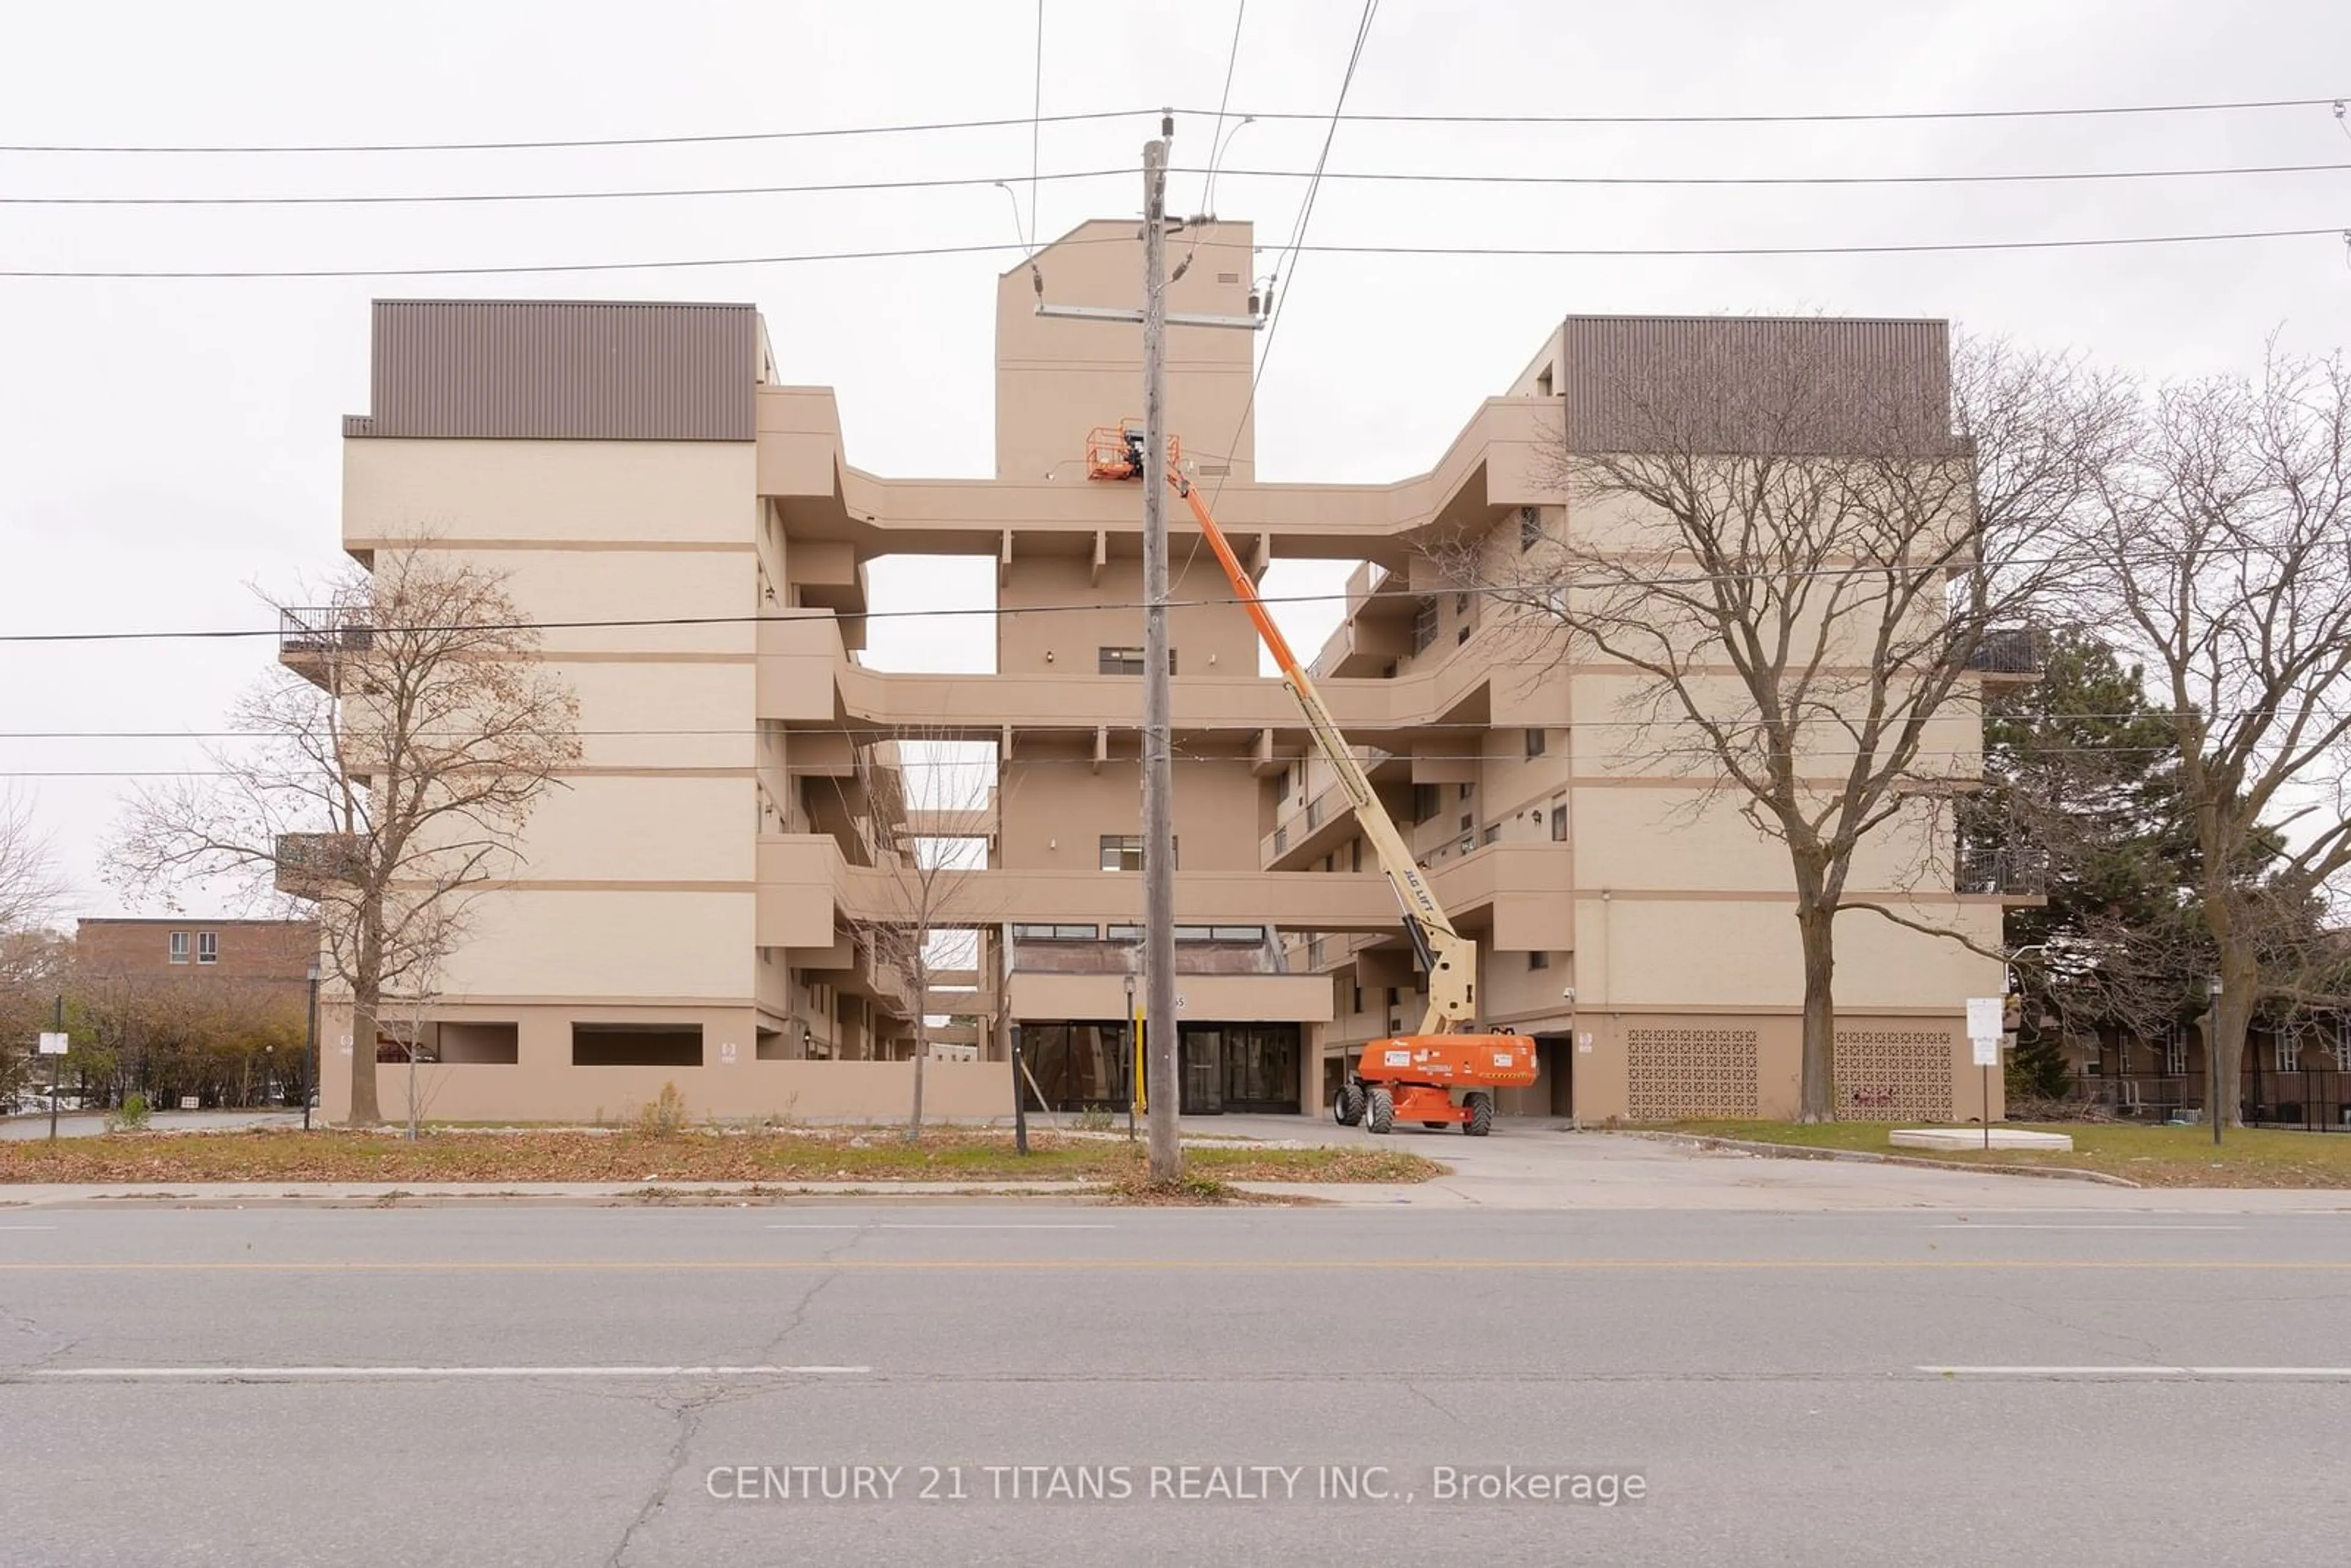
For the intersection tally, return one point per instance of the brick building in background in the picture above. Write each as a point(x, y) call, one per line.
point(271, 956)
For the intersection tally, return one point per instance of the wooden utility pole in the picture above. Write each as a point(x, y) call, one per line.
point(1164, 1095)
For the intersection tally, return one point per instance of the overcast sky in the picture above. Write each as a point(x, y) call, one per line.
point(164, 446)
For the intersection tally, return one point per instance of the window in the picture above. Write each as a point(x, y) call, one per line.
point(1558, 825)
point(1493, 834)
point(1066, 932)
point(2175, 1053)
point(2343, 1046)
point(1536, 741)
point(1465, 791)
point(1126, 661)
point(1281, 784)
point(1529, 529)
point(1462, 635)
point(1424, 625)
point(1124, 852)
point(207, 946)
point(1355, 854)
point(178, 946)
point(1392, 996)
point(1358, 1006)
point(1468, 821)
point(1468, 843)
point(1460, 604)
point(1314, 952)
point(1424, 802)
point(2285, 1048)
point(1538, 960)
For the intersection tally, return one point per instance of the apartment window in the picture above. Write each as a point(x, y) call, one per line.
point(1424, 802)
point(1468, 821)
point(1392, 996)
point(1358, 1004)
point(1281, 784)
point(1124, 852)
point(2175, 1054)
point(1462, 635)
point(1538, 960)
point(1424, 625)
point(1464, 791)
point(1537, 741)
point(1064, 933)
point(2342, 1046)
point(1126, 661)
point(1558, 825)
point(1493, 832)
point(178, 946)
point(1314, 952)
point(2285, 1050)
point(207, 946)
point(1529, 529)
point(1460, 604)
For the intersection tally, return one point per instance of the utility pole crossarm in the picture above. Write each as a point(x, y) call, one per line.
point(1135, 317)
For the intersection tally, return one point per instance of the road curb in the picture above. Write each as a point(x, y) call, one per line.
point(1864, 1156)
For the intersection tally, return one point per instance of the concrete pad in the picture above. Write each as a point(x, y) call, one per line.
point(1973, 1138)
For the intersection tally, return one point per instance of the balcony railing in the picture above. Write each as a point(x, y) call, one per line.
point(323, 629)
point(2011, 651)
point(1995, 866)
point(306, 862)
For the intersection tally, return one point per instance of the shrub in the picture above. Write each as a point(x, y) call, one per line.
point(1096, 1119)
point(663, 1117)
point(131, 1115)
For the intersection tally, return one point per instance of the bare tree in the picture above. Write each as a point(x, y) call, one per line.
point(1805, 550)
point(2219, 555)
point(401, 745)
point(31, 893)
point(919, 795)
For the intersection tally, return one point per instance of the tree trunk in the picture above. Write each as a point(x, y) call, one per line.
point(365, 1110)
point(922, 1051)
point(2233, 1019)
point(1816, 1100)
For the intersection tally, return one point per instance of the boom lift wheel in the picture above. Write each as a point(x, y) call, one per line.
point(1480, 1106)
point(1379, 1111)
point(1349, 1107)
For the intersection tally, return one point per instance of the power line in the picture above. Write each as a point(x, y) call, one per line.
point(1555, 252)
point(698, 138)
point(1278, 306)
point(1215, 131)
point(646, 193)
point(1520, 591)
point(1363, 175)
point(814, 133)
point(1858, 118)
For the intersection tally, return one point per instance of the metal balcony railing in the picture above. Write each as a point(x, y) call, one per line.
point(1997, 866)
point(323, 629)
point(2011, 651)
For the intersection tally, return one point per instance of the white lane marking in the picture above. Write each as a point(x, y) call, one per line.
point(942, 1227)
point(1967, 1226)
point(302, 1371)
point(2137, 1371)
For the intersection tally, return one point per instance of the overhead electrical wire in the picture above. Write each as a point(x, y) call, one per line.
point(2329, 102)
point(2147, 555)
point(1397, 177)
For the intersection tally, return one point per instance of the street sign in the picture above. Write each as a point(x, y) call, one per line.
point(52, 1044)
point(1984, 1014)
point(1987, 1051)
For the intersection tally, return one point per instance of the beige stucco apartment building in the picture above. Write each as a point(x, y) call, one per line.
point(689, 529)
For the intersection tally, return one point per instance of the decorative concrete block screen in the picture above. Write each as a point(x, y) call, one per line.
point(1894, 1075)
point(1677, 1072)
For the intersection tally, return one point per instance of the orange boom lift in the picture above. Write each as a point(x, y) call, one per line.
point(1411, 1077)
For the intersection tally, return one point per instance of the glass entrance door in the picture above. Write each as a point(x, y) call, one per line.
point(1203, 1072)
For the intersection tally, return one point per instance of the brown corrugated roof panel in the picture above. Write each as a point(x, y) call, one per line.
point(560, 371)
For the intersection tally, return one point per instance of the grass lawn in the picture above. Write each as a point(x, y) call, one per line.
point(790, 1155)
point(2152, 1156)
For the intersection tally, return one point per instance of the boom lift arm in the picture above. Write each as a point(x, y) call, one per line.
point(1449, 959)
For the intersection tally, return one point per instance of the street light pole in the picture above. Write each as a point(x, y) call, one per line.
point(57, 1069)
point(2212, 1084)
point(310, 1046)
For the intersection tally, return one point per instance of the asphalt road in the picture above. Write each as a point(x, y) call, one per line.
point(89, 1123)
point(433, 1386)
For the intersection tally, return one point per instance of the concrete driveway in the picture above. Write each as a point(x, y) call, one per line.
point(1537, 1163)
